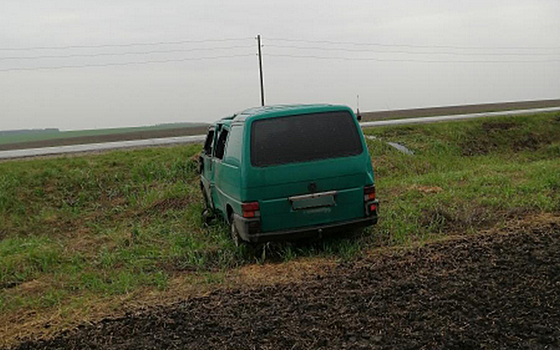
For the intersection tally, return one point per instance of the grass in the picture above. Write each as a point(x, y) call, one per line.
point(55, 134)
point(80, 229)
point(106, 224)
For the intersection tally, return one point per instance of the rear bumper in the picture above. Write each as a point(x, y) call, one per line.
point(249, 229)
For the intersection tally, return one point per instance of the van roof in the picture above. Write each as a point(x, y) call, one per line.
point(280, 110)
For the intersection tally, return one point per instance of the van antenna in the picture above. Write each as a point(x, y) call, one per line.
point(358, 115)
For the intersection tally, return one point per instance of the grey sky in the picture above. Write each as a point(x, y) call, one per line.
point(206, 90)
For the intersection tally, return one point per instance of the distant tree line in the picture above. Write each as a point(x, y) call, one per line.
point(29, 131)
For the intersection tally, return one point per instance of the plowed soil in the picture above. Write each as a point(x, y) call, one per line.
point(497, 291)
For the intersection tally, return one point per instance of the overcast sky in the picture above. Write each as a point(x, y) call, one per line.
point(386, 77)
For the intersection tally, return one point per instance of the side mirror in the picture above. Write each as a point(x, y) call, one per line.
point(200, 164)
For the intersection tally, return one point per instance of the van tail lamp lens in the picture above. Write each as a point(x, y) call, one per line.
point(250, 210)
point(369, 193)
point(372, 208)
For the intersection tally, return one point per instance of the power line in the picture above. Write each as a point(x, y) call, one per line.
point(118, 64)
point(317, 57)
point(342, 58)
point(155, 43)
point(413, 52)
point(124, 53)
point(338, 58)
point(329, 42)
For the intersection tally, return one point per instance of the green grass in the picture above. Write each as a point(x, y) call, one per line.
point(485, 171)
point(52, 135)
point(105, 225)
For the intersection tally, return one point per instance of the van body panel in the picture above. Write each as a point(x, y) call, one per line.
point(278, 184)
point(280, 214)
point(228, 173)
point(265, 182)
point(227, 188)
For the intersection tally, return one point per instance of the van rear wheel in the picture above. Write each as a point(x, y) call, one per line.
point(236, 238)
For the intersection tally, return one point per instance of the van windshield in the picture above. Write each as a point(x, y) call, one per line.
point(304, 138)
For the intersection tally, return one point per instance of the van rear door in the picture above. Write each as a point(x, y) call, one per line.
point(308, 170)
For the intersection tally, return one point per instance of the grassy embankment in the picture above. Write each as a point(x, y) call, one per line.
point(77, 230)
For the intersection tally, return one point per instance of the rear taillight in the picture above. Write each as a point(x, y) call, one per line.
point(369, 193)
point(250, 210)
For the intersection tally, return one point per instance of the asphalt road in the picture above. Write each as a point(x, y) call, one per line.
point(96, 147)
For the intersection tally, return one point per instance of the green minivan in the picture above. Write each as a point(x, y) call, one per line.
point(288, 172)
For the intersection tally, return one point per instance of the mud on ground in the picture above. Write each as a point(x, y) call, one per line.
point(498, 291)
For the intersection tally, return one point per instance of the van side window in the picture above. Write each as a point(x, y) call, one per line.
point(221, 144)
point(234, 145)
point(209, 142)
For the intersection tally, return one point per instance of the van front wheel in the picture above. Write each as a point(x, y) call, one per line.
point(234, 233)
point(207, 216)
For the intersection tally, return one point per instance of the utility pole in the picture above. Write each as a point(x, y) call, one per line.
point(358, 115)
point(260, 69)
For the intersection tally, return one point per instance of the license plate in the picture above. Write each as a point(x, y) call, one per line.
point(325, 199)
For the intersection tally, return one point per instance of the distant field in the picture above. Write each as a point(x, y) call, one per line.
point(53, 138)
point(88, 236)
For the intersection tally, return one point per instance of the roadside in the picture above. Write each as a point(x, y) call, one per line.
point(83, 238)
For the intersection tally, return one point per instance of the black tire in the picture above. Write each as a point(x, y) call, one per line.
point(235, 237)
point(206, 201)
point(207, 212)
point(207, 216)
point(204, 196)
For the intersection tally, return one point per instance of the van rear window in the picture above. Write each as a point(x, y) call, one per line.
point(304, 138)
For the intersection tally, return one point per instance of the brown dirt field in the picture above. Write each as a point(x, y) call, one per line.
point(450, 110)
point(139, 135)
point(496, 291)
point(49, 323)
